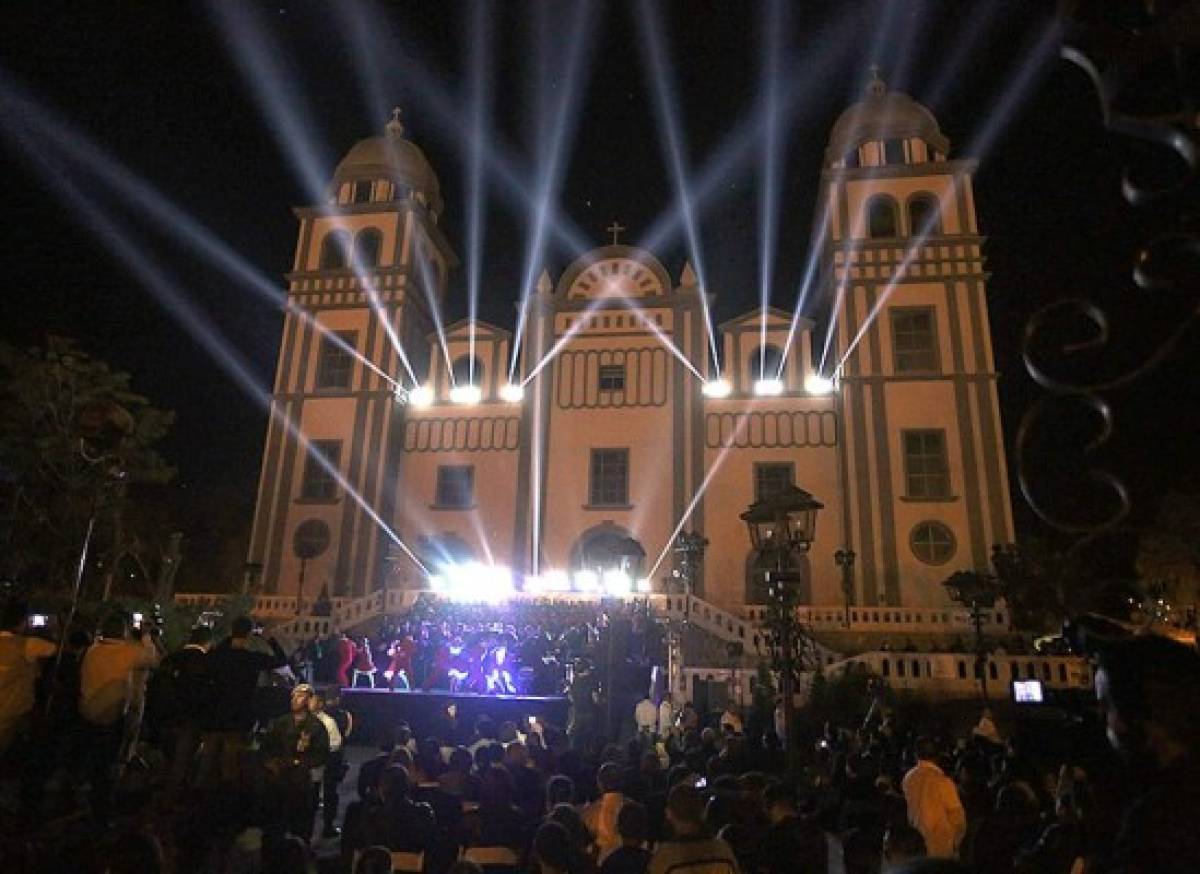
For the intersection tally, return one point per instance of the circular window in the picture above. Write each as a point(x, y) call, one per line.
point(311, 539)
point(932, 542)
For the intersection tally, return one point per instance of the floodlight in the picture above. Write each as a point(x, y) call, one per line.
point(556, 581)
point(421, 396)
point(717, 388)
point(768, 387)
point(466, 394)
point(512, 393)
point(587, 581)
point(617, 582)
point(642, 586)
point(818, 385)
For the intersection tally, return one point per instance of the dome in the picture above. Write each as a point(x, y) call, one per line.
point(392, 156)
point(883, 115)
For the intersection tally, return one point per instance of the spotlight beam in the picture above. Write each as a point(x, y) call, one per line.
point(177, 304)
point(807, 282)
point(255, 54)
point(551, 164)
point(768, 188)
point(832, 46)
point(427, 285)
point(965, 43)
point(1016, 90)
point(258, 56)
point(375, 49)
point(75, 145)
point(669, 124)
point(661, 335)
point(691, 507)
point(479, 101)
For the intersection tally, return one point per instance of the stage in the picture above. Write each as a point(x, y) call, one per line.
point(426, 712)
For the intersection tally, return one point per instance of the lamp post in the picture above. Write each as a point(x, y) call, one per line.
point(844, 558)
point(978, 592)
point(781, 526)
point(689, 547)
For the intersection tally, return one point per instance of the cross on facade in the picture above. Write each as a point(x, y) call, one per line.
point(615, 229)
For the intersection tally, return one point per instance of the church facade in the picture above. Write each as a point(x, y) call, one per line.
point(617, 427)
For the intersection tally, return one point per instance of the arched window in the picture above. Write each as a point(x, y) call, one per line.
point(765, 362)
point(367, 246)
point(923, 215)
point(467, 370)
point(333, 250)
point(881, 217)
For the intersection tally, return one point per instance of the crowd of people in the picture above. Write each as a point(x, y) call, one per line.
point(447, 646)
point(121, 757)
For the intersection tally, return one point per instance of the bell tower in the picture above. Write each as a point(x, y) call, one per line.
point(370, 261)
point(924, 470)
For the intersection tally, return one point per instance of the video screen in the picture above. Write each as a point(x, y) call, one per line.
point(1028, 692)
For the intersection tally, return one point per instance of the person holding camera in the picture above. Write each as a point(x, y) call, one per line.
point(111, 690)
point(19, 657)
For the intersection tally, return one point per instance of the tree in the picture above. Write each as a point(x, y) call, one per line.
point(1044, 583)
point(1168, 557)
point(74, 438)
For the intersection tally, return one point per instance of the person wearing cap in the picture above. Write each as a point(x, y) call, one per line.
point(1149, 687)
point(295, 745)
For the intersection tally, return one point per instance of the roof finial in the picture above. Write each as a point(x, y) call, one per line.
point(395, 127)
point(876, 87)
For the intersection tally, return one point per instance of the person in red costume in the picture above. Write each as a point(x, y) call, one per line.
point(346, 652)
point(399, 671)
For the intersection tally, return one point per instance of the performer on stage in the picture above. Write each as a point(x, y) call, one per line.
point(346, 652)
point(399, 671)
point(364, 663)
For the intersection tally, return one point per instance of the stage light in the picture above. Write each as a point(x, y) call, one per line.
point(512, 393)
point(642, 586)
point(815, 384)
point(717, 388)
point(421, 396)
point(587, 581)
point(556, 581)
point(617, 582)
point(466, 394)
point(768, 387)
point(437, 582)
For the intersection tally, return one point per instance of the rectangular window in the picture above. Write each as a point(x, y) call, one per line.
point(335, 364)
point(771, 478)
point(362, 191)
point(914, 340)
point(893, 151)
point(612, 377)
point(319, 482)
point(926, 474)
point(455, 486)
point(610, 478)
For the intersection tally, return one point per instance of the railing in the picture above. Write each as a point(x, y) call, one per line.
point(896, 620)
point(954, 674)
point(728, 626)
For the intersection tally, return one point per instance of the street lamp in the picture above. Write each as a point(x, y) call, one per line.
point(844, 558)
point(781, 525)
point(689, 547)
point(977, 591)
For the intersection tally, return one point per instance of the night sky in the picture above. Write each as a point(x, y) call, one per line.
point(158, 88)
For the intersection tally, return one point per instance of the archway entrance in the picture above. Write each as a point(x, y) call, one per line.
point(607, 557)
